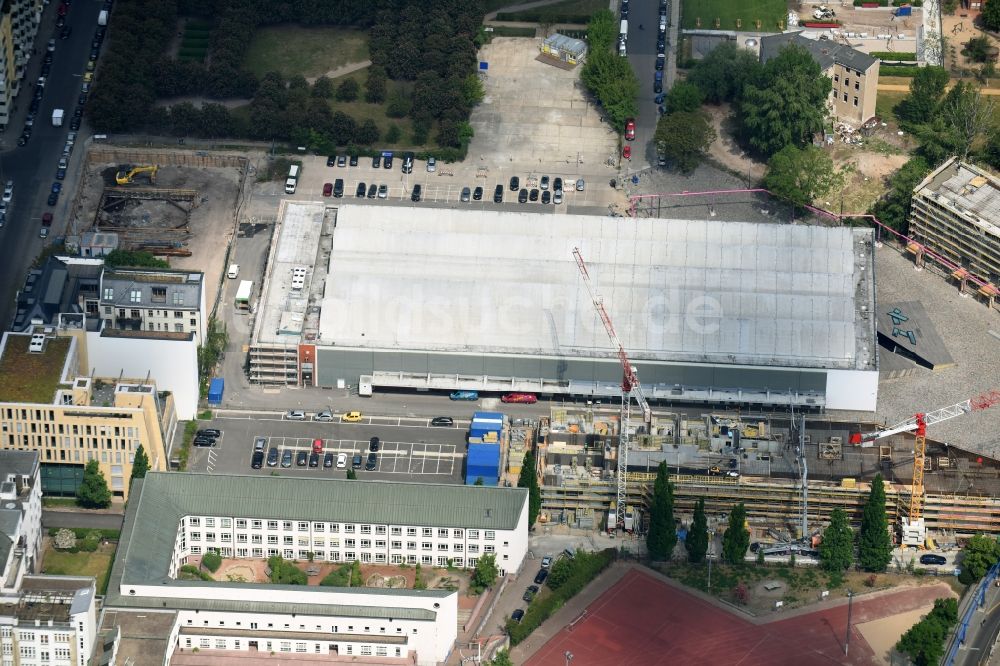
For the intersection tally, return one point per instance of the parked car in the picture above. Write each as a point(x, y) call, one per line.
point(301, 458)
point(341, 160)
point(477, 194)
point(314, 459)
point(530, 593)
point(630, 129)
point(416, 193)
point(557, 185)
point(387, 162)
point(517, 615)
point(541, 576)
point(260, 444)
point(515, 183)
point(360, 192)
point(431, 165)
point(373, 444)
point(933, 559)
point(317, 446)
point(372, 461)
point(383, 191)
point(338, 188)
point(527, 398)
point(328, 460)
point(546, 562)
point(463, 395)
point(533, 194)
point(372, 191)
point(522, 196)
point(295, 415)
point(442, 421)
point(498, 194)
point(352, 417)
point(466, 195)
point(377, 162)
point(546, 197)
point(341, 460)
point(210, 432)
point(331, 160)
point(272, 457)
point(357, 462)
point(353, 161)
point(627, 152)
point(257, 461)
point(286, 458)
point(204, 441)
point(327, 189)
point(325, 415)
point(544, 183)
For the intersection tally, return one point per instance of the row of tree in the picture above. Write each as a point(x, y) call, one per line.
point(93, 492)
point(608, 77)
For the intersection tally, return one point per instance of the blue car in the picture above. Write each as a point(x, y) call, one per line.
point(60, 174)
point(56, 187)
point(464, 395)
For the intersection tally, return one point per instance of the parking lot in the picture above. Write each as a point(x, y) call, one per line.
point(409, 448)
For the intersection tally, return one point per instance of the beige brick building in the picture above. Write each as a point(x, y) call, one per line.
point(854, 74)
point(47, 406)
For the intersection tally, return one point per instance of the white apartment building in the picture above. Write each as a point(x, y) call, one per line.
point(19, 21)
point(175, 517)
point(51, 621)
point(154, 299)
point(20, 517)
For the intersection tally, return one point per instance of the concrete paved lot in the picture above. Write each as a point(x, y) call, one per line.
point(410, 449)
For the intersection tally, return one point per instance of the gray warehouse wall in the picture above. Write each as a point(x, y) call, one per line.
point(333, 364)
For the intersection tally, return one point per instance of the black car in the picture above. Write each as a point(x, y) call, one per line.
point(515, 183)
point(341, 160)
point(46, 70)
point(353, 161)
point(53, 199)
point(373, 444)
point(48, 58)
point(557, 184)
point(372, 461)
point(544, 183)
point(328, 460)
point(522, 196)
point(657, 87)
point(659, 64)
point(530, 593)
point(377, 162)
point(517, 615)
point(331, 160)
point(442, 421)
point(541, 576)
point(22, 140)
point(356, 462)
point(407, 163)
point(498, 194)
point(416, 193)
point(204, 441)
point(272, 457)
point(660, 45)
point(210, 432)
point(35, 103)
point(74, 124)
point(66, 32)
point(257, 461)
point(338, 188)
point(372, 191)
point(477, 194)
point(387, 162)
point(301, 458)
point(94, 52)
point(930, 558)
point(360, 192)
point(533, 195)
point(314, 460)
point(78, 111)
point(546, 197)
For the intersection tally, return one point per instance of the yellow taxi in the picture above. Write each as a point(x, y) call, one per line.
point(351, 417)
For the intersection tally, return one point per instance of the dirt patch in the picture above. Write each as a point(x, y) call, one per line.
point(725, 150)
point(883, 634)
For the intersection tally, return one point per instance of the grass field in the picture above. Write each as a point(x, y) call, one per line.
point(567, 11)
point(94, 564)
point(310, 52)
point(362, 110)
point(769, 12)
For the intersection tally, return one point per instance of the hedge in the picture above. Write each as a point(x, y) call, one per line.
point(586, 567)
point(894, 55)
point(898, 70)
point(82, 532)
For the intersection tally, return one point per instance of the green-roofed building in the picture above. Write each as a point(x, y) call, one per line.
point(173, 519)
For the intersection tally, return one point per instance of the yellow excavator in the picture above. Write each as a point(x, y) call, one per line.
point(127, 172)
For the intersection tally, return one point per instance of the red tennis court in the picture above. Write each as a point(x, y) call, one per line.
point(642, 620)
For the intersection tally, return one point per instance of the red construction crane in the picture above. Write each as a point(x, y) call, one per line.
point(913, 526)
point(630, 388)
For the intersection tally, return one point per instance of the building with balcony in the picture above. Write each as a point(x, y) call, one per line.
point(153, 300)
point(48, 406)
point(19, 21)
point(20, 517)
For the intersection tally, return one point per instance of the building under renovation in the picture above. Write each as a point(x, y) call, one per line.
point(490, 301)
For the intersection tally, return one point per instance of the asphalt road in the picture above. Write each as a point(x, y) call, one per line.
point(642, 54)
point(32, 167)
point(108, 521)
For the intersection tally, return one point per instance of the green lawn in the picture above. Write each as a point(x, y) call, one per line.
point(579, 11)
point(31, 377)
point(362, 111)
point(96, 564)
point(310, 52)
point(884, 103)
point(769, 12)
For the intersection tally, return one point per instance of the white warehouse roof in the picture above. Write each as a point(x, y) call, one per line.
point(484, 281)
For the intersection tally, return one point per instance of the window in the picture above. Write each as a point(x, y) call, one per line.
point(473, 547)
point(443, 546)
point(220, 643)
point(380, 529)
point(272, 539)
point(426, 545)
point(490, 535)
point(241, 523)
point(457, 534)
point(366, 543)
point(442, 561)
point(857, 85)
point(836, 77)
point(195, 536)
point(135, 296)
point(303, 527)
point(457, 547)
point(397, 545)
point(256, 524)
point(178, 314)
point(318, 527)
point(272, 524)
point(397, 531)
point(159, 295)
point(178, 328)
point(226, 522)
point(194, 522)
point(489, 549)
point(411, 545)
point(366, 529)
point(178, 298)
point(411, 531)
point(473, 534)
point(442, 534)
point(349, 543)
point(289, 540)
point(845, 97)
point(427, 532)
point(426, 559)
point(109, 293)
point(334, 527)
point(349, 529)
point(855, 101)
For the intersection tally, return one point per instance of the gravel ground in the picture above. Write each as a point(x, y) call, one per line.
point(964, 325)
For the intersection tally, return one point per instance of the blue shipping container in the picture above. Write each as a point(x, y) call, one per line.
point(215, 391)
point(905, 10)
point(496, 418)
point(483, 462)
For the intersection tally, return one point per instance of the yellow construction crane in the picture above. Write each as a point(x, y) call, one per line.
point(914, 532)
point(127, 172)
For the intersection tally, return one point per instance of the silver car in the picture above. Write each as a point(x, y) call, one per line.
point(431, 165)
point(579, 185)
point(466, 194)
point(325, 415)
point(295, 415)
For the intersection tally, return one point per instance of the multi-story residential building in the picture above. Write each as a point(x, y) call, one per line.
point(19, 21)
point(175, 518)
point(955, 212)
point(20, 517)
point(854, 74)
point(154, 299)
point(69, 419)
point(49, 621)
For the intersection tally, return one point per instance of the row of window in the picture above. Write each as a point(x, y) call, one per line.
point(158, 295)
point(43, 415)
point(298, 646)
point(347, 556)
point(64, 454)
point(30, 636)
point(348, 528)
point(289, 540)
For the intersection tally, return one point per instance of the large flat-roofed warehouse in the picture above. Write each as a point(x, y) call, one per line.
point(431, 298)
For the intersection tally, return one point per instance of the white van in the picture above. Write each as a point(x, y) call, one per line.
point(234, 271)
point(292, 180)
point(623, 30)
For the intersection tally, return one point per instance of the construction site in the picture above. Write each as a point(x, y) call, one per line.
point(175, 205)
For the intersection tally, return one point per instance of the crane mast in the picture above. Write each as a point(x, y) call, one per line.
point(630, 388)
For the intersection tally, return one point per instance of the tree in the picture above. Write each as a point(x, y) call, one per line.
point(351, 474)
point(926, 90)
point(697, 537)
point(93, 492)
point(736, 538)
point(284, 572)
point(323, 88)
point(418, 578)
point(368, 133)
point(393, 134)
point(893, 209)
point(785, 103)
point(140, 465)
point(662, 535)
point(502, 658)
point(485, 573)
point(801, 175)
point(836, 551)
point(722, 73)
point(348, 90)
point(529, 479)
point(683, 138)
point(139, 259)
point(375, 85)
point(356, 580)
point(875, 545)
point(399, 104)
point(611, 80)
point(683, 96)
point(990, 15)
point(924, 641)
point(970, 113)
point(562, 570)
point(980, 553)
point(211, 561)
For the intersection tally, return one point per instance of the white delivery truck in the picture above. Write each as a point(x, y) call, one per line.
point(57, 117)
point(102, 18)
point(292, 180)
point(623, 31)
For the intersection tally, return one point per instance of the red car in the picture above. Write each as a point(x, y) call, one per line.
point(327, 189)
point(317, 446)
point(630, 129)
point(627, 152)
point(528, 398)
